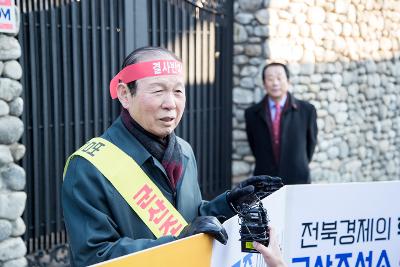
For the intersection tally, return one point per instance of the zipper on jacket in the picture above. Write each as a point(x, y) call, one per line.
point(174, 198)
point(174, 192)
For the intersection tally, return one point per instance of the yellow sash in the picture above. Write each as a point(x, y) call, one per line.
point(134, 185)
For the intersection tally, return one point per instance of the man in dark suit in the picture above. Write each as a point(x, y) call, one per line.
point(281, 130)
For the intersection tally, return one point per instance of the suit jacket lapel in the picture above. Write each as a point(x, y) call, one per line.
point(264, 113)
point(286, 120)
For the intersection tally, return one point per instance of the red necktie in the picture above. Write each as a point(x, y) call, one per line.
point(277, 122)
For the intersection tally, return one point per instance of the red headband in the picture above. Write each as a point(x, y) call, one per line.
point(142, 70)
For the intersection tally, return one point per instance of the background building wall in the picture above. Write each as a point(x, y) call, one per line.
point(344, 58)
point(12, 176)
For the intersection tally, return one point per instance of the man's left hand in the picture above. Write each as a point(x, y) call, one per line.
point(252, 189)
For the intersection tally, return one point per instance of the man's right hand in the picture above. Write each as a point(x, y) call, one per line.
point(208, 225)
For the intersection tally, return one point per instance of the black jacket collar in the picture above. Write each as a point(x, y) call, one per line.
point(261, 107)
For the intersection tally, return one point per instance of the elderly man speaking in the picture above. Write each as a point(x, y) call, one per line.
point(136, 186)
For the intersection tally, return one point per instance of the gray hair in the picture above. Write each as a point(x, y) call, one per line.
point(146, 53)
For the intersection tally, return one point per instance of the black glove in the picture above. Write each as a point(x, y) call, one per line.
point(252, 189)
point(208, 225)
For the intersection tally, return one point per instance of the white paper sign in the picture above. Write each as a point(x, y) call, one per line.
point(352, 224)
point(7, 16)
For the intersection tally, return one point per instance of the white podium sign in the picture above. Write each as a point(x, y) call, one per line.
point(324, 225)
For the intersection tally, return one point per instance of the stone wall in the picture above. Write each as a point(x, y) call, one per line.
point(344, 58)
point(12, 176)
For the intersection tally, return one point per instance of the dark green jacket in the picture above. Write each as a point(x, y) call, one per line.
point(101, 225)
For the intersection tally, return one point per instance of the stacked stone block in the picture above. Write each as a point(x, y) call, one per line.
point(344, 57)
point(12, 176)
